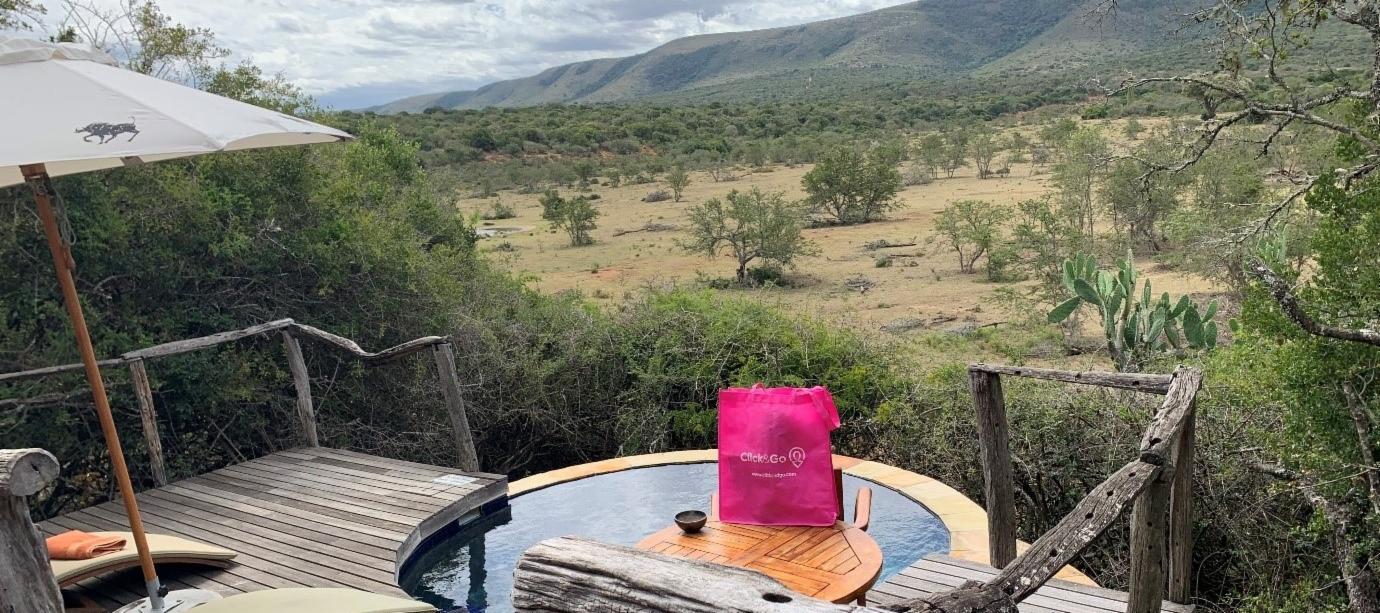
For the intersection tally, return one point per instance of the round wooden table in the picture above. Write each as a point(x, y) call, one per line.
point(838, 563)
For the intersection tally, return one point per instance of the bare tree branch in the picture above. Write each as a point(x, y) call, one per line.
point(1288, 303)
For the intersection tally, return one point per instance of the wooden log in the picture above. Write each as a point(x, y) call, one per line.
point(352, 348)
point(1149, 537)
point(25, 472)
point(148, 417)
point(26, 577)
point(1155, 384)
point(1162, 434)
point(306, 412)
point(455, 406)
point(577, 575)
point(193, 344)
point(994, 438)
point(1180, 587)
point(1102, 506)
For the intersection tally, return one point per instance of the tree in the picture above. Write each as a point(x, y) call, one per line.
point(1132, 129)
point(1056, 133)
point(576, 216)
point(984, 146)
point(146, 40)
point(955, 151)
point(751, 226)
point(970, 227)
point(19, 14)
point(584, 171)
point(1226, 186)
point(1018, 144)
point(931, 152)
point(852, 188)
point(1082, 160)
point(677, 180)
point(1045, 238)
point(1316, 332)
point(1139, 199)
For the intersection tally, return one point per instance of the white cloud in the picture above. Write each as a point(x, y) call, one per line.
point(353, 53)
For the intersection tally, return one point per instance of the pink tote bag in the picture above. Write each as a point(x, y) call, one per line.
point(776, 464)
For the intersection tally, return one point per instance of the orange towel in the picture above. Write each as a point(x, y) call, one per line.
point(78, 545)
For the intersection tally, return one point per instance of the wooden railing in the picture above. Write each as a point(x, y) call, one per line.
point(1162, 515)
point(575, 575)
point(291, 331)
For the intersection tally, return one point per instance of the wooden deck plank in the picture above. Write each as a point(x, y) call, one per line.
point(302, 518)
point(373, 477)
point(269, 507)
point(400, 511)
point(395, 465)
point(355, 487)
point(344, 531)
point(938, 573)
point(328, 490)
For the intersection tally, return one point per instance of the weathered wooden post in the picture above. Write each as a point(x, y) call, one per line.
point(995, 440)
point(26, 577)
point(455, 406)
point(1161, 445)
point(1181, 517)
point(1149, 534)
point(306, 413)
point(139, 377)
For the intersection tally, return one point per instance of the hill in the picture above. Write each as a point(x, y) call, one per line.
point(924, 40)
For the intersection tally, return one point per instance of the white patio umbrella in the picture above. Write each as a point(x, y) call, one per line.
point(67, 109)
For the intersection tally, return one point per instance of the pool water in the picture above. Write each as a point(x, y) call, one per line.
point(472, 570)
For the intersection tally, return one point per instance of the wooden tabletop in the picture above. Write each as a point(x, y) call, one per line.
point(838, 563)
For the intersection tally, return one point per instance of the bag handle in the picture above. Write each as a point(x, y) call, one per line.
point(824, 404)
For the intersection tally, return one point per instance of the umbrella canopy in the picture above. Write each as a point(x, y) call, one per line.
point(69, 109)
point(72, 109)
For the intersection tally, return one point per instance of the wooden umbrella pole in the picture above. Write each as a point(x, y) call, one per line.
point(37, 177)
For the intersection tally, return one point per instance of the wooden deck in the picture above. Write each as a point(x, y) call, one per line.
point(938, 573)
point(311, 517)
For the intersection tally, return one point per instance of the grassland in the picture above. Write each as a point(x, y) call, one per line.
point(922, 289)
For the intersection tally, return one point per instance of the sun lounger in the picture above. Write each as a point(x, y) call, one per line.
point(166, 550)
point(314, 600)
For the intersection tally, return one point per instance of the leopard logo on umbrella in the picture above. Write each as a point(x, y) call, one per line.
point(108, 131)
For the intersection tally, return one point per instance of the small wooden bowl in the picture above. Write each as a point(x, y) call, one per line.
point(691, 522)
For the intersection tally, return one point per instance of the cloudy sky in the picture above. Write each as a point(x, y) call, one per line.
point(352, 53)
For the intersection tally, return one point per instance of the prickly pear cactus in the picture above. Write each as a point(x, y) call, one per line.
point(1136, 323)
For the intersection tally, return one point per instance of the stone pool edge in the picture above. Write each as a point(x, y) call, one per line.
point(963, 518)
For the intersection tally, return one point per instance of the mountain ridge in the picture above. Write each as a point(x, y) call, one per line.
point(935, 39)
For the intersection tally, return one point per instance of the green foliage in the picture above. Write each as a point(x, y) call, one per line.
point(678, 180)
point(1081, 161)
point(1133, 129)
point(19, 14)
point(1044, 237)
point(585, 171)
point(984, 146)
point(499, 210)
point(851, 188)
point(970, 228)
point(931, 152)
point(1138, 197)
point(955, 151)
point(751, 225)
point(1135, 323)
point(576, 216)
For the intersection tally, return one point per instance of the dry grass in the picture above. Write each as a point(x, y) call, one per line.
point(924, 284)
